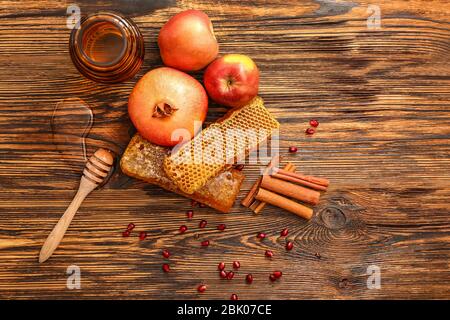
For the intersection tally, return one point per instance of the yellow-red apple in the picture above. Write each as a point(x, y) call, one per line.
point(165, 104)
point(232, 80)
point(187, 41)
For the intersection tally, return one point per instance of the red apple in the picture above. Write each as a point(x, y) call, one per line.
point(187, 41)
point(166, 101)
point(232, 80)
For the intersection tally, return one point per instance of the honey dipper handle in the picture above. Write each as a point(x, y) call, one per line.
point(60, 228)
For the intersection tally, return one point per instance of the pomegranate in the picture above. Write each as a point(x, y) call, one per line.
point(201, 288)
point(203, 224)
point(310, 131)
point(165, 253)
point(269, 254)
point(289, 245)
point(166, 106)
point(314, 123)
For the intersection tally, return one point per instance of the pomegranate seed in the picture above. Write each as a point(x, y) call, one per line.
point(221, 266)
point(230, 275)
point(221, 227)
point(166, 253)
point(239, 167)
point(269, 254)
point(202, 224)
point(223, 274)
point(314, 123)
point(183, 229)
point(284, 232)
point(126, 233)
point(261, 235)
point(201, 288)
point(234, 297)
point(205, 243)
point(277, 274)
point(190, 214)
point(249, 278)
point(194, 203)
point(142, 235)
point(293, 149)
point(166, 267)
point(272, 278)
point(130, 226)
point(289, 245)
point(310, 131)
point(236, 264)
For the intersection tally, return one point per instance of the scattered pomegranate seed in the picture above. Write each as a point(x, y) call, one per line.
point(261, 235)
point(166, 267)
point(284, 232)
point(289, 245)
point(230, 275)
point(269, 254)
point(277, 274)
point(249, 278)
point(272, 278)
point(314, 123)
point(223, 274)
point(293, 149)
point(310, 131)
point(201, 288)
point(142, 235)
point(126, 233)
point(239, 167)
point(221, 227)
point(183, 229)
point(166, 253)
point(190, 214)
point(205, 243)
point(236, 264)
point(234, 297)
point(194, 203)
point(130, 226)
point(202, 224)
point(221, 266)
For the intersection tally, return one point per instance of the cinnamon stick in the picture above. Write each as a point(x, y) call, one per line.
point(282, 202)
point(290, 190)
point(250, 197)
point(321, 181)
point(305, 183)
point(288, 167)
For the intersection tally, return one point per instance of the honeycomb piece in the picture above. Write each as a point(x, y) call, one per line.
point(144, 160)
point(221, 144)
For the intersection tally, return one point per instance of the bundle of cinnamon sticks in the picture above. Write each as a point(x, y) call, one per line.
point(281, 187)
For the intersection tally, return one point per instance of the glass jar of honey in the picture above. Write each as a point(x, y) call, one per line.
point(107, 47)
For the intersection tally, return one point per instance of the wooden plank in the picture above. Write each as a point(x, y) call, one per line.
point(383, 101)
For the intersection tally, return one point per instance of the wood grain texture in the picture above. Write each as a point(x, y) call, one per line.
point(383, 101)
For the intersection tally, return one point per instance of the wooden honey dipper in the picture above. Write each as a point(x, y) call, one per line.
point(97, 169)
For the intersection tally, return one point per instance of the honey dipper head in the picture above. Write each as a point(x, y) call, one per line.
point(98, 166)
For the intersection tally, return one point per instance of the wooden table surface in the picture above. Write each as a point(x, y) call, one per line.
point(382, 97)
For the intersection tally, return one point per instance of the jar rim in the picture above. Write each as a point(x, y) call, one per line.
point(89, 22)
